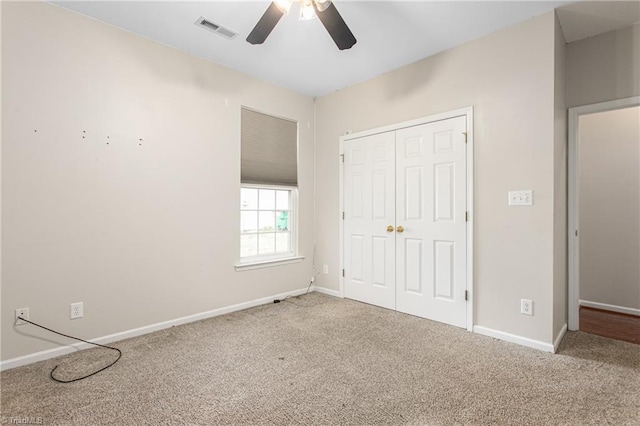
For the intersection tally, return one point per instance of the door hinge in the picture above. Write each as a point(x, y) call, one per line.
point(466, 295)
point(466, 216)
point(343, 272)
point(342, 156)
point(342, 215)
point(465, 136)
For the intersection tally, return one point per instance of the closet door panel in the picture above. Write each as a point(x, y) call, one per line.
point(369, 247)
point(431, 207)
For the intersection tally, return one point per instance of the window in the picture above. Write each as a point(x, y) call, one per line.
point(269, 188)
point(266, 229)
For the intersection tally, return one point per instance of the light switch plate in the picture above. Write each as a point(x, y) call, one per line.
point(521, 198)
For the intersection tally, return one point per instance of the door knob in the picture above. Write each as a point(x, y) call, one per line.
point(389, 228)
point(400, 229)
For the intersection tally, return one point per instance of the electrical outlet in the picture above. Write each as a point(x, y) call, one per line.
point(325, 269)
point(77, 311)
point(526, 307)
point(24, 313)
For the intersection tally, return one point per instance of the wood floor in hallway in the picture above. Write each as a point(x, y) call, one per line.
point(610, 324)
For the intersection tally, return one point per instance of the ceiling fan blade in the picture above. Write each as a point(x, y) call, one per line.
point(336, 27)
point(265, 25)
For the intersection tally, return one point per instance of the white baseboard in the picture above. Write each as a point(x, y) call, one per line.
point(524, 341)
point(328, 291)
point(52, 353)
point(606, 307)
point(556, 342)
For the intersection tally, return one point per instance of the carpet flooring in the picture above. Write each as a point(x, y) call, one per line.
point(319, 360)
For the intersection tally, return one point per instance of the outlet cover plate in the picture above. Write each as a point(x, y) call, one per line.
point(526, 307)
point(76, 310)
point(24, 313)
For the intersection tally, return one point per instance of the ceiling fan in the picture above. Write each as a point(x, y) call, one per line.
point(325, 10)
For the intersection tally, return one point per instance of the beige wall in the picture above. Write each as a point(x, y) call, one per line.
point(604, 67)
point(508, 77)
point(140, 233)
point(560, 279)
point(609, 182)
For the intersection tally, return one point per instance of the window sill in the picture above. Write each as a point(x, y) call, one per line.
point(267, 263)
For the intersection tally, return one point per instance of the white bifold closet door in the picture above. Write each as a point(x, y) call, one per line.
point(405, 225)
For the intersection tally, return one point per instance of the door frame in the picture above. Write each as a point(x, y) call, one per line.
point(468, 113)
point(573, 213)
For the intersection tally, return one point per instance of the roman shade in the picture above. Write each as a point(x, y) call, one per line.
point(269, 149)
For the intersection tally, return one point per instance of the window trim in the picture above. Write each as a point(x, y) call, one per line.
point(267, 263)
point(264, 261)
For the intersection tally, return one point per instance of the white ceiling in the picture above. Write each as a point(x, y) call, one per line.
point(301, 56)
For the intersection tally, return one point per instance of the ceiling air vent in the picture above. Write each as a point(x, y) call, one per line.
point(215, 28)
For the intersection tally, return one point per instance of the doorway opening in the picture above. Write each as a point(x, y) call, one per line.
point(604, 219)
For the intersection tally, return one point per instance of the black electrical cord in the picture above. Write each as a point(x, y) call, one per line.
point(310, 282)
point(81, 340)
point(305, 293)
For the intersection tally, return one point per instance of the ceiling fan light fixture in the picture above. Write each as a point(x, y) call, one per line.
point(284, 5)
point(324, 10)
point(306, 10)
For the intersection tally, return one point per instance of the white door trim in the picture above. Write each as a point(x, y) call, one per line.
point(468, 112)
point(573, 234)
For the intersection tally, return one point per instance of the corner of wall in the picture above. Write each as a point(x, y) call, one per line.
point(1, 7)
point(560, 278)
